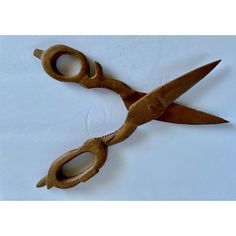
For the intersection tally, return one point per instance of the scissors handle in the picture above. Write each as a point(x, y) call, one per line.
point(96, 146)
point(55, 176)
point(50, 56)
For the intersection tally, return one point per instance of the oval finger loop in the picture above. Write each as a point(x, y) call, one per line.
point(49, 61)
point(58, 179)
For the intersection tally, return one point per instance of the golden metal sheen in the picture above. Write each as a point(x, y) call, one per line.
point(142, 108)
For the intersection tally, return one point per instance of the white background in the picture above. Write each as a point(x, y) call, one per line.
point(42, 118)
point(118, 17)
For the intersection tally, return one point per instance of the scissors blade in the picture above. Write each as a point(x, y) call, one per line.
point(179, 114)
point(169, 92)
point(176, 113)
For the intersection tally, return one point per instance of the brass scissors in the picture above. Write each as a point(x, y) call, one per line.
point(142, 108)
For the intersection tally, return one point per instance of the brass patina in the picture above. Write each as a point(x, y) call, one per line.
point(142, 108)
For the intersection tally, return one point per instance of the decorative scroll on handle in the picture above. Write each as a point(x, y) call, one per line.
point(142, 108)
point(50, 56)
point(97, 146)
point(55, 176)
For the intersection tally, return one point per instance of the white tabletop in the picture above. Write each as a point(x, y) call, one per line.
point(42, 118)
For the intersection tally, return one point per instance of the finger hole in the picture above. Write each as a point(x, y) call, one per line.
point(68, 65)
point(78, 164)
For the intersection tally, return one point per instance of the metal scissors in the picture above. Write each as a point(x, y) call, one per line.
point(142, 108)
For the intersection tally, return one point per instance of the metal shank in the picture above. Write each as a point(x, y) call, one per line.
point(142, 108)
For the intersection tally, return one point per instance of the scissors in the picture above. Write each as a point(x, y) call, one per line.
point(142, 108)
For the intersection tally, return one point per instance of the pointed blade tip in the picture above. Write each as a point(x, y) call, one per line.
point(215, 63)
point(175, 88)
point(225, 121)
point(219, 121)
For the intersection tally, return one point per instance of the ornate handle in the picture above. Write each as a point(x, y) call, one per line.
point(55, 176)
point(49, 58)
point(97, 146)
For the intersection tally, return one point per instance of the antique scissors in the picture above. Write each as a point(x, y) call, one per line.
point(142, 108)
